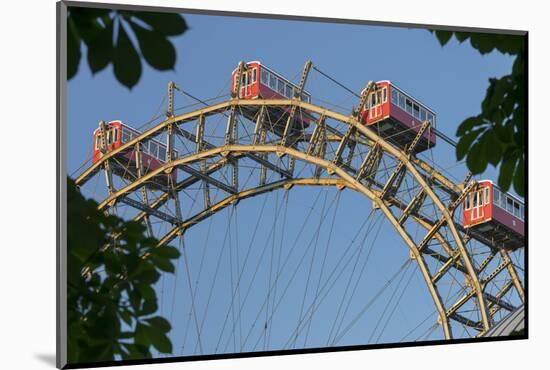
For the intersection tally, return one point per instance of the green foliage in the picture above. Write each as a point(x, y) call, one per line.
point(520, 332)
point(111, 301)
point(97, 29)
point(496, 136)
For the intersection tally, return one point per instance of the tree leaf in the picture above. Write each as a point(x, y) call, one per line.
point(149, 307)
point(126, 62)
point(160, 323)
point(507, 171)
point(159, 340)
point(491, 146)
point(126, 316)
point(100, 49)
point(147, 292)
point(169, 24)
point(73, 51)
point(465, 142)
point(519, 177)
point(443, 36)
point(468, 124)
point(476, 160)
point(141, 336)
point(166, 251)
point(155, 48)
point(462, 36)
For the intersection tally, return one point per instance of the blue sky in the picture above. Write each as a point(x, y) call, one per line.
point(452, 80)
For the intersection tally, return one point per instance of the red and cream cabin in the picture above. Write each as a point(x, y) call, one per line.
point(153, 153)
point(261, 82)
point(397, 117)
point(498, 216)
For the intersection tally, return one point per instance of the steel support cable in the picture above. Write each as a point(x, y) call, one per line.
point(323, 266)
point(428, 332)
point(352, 242)
point(231, 281)
point(350, 279)
point(417, 326)
point(247, 293)
point(270, 267)
point(247, 255)
point(317, 232)
point(216, 271)
point(386, 307)
point(188, 273)
point(295, 242)
point(238, 269)
point(299, 264)
point(396, 305)
point(286, 196)
point(371, 301)
point(356, 285)
point(288, 284)
point(201, 264)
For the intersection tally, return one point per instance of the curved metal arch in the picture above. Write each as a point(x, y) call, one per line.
point(313, 160)
point(399, 155)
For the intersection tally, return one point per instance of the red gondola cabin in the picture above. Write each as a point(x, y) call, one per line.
point(261, 82)
point(496, 215)
point(153, 153)
point(397, 117)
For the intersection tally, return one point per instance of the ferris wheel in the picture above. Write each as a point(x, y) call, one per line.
point(278, 204)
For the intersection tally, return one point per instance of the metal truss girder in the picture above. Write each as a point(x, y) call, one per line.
point(207, 146)
point(486, 261)
point(413, 206)
point(396, 177)
point(262, 189)
point(429, 236)
point(163, 198)
point(107, 164)
point(363, 100)
point(418, 136)
point(208, 179)
point(144, 199)
point(460, 302)
point(297, 95)
point(494, 274)
point(343, 143)
point(445, 184)
point(494, 308)
point(370, 163)
point(499, 302)
point(150, 211)
point(464, 320)
point(446, 266)
point(513, 274)
point(259, 125)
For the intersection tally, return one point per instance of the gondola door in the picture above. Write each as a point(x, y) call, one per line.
point(477, 210)
point(375, 105)
point(245, 84)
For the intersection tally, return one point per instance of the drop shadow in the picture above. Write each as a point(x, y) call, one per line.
point(47, 358)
